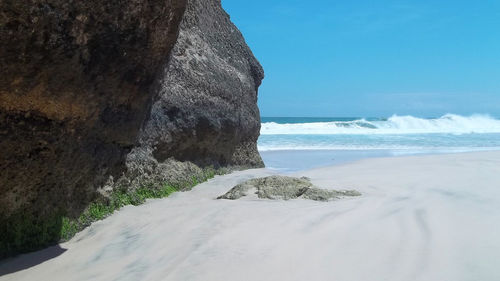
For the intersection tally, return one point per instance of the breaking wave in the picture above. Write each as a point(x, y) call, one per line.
point(395, 125)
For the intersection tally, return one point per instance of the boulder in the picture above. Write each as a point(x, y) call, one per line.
point(284, 188)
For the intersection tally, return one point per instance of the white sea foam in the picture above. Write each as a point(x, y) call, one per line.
point(395, 150)
point(449, 123)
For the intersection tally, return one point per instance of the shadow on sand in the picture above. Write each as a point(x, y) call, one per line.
point(26, 261)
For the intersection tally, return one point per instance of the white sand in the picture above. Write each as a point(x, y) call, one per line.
point(420, 218)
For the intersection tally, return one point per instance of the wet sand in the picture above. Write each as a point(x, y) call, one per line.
point(420, 218)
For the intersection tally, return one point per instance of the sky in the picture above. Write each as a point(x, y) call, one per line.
point(330, 58)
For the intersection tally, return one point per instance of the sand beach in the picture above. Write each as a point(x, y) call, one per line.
point(431, 217)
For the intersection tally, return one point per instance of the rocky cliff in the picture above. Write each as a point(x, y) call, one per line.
point(103, 95)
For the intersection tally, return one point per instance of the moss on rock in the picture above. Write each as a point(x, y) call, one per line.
point(24, 232)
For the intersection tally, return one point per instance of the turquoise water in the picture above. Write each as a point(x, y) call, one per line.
point(322, 141)
point(448, 142)
point(297, 120)
point(450, 132)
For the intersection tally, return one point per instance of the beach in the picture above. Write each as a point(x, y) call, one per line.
point(431, 217)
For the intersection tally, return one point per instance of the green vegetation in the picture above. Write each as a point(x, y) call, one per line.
point(99, 210)
point(27, 232)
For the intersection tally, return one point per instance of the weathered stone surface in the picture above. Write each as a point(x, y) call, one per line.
point(206, 109)
point(284, 188)
point(75, 86)
point(96, 95)
point(319, 194)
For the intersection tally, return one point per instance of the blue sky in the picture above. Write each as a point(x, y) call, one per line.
point(374, 58)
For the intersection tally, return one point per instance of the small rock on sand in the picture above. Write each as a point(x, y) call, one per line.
point(284, 188)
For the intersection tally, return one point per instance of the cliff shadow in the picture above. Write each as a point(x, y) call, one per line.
point(26, 261)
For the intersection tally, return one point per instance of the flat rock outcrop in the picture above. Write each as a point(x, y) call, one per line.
point(100, 95)
point(284, 188)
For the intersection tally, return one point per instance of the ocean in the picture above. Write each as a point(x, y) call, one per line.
point(298, 143)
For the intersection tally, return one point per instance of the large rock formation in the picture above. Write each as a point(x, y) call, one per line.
point(206, 107)
point(96, 95)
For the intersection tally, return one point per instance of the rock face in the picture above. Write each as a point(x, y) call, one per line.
point(99, 95)
point(206, 108)
point(284, 188)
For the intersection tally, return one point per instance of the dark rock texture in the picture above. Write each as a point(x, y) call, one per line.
point(210, 116)
point(284, 188)
point(206, 109)
point(99, 95)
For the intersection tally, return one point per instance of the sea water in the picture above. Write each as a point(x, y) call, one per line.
point(295, 143)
